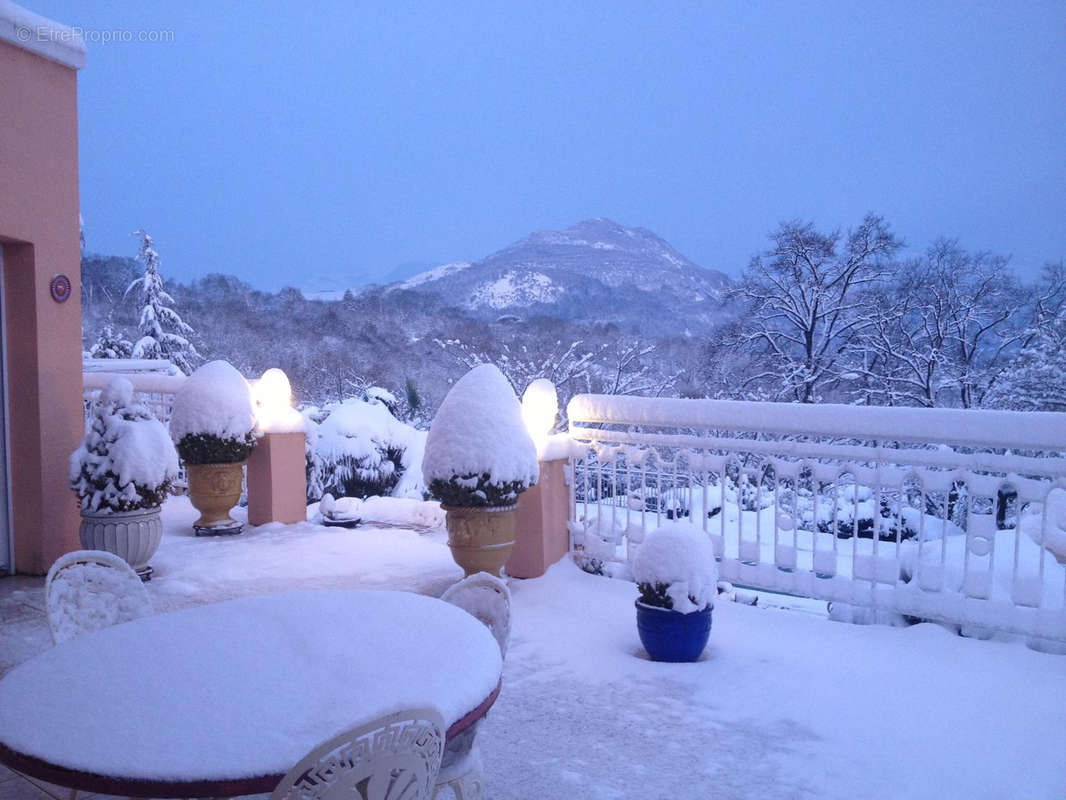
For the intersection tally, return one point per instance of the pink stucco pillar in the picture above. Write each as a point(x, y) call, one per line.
point(277, 482)
point(39, 64)
point(541, 536)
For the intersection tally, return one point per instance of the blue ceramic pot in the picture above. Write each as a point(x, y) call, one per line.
point(669, 635)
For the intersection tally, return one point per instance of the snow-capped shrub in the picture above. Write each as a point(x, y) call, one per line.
point(478, 452)
point(213, 421)
point(126, 461)
point(675, 568)
point(359, 450)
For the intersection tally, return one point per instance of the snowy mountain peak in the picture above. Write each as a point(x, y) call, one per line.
point(434, 274)
point(598, 270)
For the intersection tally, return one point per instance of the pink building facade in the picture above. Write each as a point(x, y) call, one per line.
point(41, 287)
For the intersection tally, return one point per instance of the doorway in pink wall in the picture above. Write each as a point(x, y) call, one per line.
point(7, 554)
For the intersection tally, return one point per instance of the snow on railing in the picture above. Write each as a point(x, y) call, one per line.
point(154, 390)
point(889, 513)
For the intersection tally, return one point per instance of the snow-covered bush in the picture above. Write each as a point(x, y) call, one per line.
point(849, 510)
point(213, 421)
point(478, 452)
point(111, 344)
point(675, 568)
point(126, 461)
point(358, 449)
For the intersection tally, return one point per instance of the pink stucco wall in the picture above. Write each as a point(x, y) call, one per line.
point(277, 480)
point(541, 536)
point(39, 233)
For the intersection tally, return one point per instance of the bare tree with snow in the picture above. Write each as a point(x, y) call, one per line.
point(628, 367)
point(1033, 379)
point(941, 333)
point(158, 315)
point(804, 305)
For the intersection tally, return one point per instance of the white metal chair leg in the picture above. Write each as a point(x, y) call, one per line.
point(461, 769)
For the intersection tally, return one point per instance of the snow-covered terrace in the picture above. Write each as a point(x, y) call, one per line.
point(784, 704)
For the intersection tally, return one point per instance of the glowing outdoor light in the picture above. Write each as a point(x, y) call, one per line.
point(273, 400)
point(540, 405)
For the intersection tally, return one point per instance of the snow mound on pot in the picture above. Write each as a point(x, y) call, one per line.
point(679, 556)
point(479, 430)
point(125, 455)
point(216, 399)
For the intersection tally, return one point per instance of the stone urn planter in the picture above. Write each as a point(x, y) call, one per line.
point(479, 458)
point(481, 539)
point(213, 490)
point(133, 536)
point(213, 426)
point(121, 474)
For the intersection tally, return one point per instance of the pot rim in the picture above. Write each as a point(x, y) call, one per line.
point(218, 464)
point(705, 609)
point(140, 512)
point(486, 509)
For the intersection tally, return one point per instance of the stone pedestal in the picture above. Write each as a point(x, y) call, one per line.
point(277, 481)
point(541, 536)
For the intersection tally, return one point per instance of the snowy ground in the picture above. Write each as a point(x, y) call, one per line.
point(783, 705)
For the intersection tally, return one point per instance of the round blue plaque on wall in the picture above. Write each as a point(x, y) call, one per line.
point(61, 288)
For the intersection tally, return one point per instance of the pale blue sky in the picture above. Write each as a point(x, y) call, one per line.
point(275, 142)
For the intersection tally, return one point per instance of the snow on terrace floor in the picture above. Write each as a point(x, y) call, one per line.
point(783, 705)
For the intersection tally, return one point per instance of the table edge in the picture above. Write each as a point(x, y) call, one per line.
point(132, 787)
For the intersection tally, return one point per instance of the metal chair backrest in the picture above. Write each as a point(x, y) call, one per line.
point(392, 758)
point(486, 597)
point(91, 589)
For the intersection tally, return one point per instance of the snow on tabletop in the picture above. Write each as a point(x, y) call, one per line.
point(246, 687)
point(478, 429)
point(679, 556)
point(215, 399)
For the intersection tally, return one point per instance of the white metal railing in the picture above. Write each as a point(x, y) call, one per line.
point(937, 514)
point(155, 391)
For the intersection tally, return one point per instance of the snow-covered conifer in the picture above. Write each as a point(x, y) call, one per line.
point(126, 461)
point(111, 343)
point(163, 333)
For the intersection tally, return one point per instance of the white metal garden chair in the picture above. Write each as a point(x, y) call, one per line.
point(392, 758)
point(90, 589)
point(487, 598)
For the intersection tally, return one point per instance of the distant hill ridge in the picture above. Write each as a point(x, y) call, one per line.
point(596, 270)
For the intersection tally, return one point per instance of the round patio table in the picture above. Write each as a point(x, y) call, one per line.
point(223, 699)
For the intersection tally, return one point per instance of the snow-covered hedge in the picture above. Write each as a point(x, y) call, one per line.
point(478, 452)
point(358, 449)
point(675, 568)
point(126, 461)
point(213, 421)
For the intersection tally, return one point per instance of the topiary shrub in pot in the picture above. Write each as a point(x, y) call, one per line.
point(677, 577)
point(213, 424)
point(478, 459)
point(121, 474)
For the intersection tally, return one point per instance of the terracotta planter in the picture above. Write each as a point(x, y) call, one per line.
point(133, 536)
point(214, 489)
point(481, 538)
